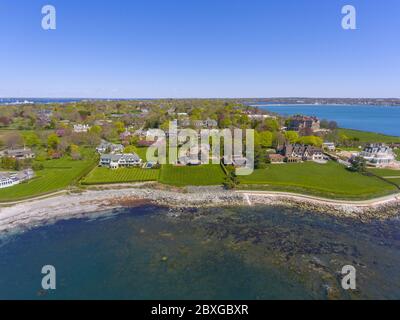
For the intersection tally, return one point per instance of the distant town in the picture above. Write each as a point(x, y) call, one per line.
point(329, 101)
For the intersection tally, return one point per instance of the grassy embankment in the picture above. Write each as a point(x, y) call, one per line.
point(392, 176)
point(203, 175)
point(368, 137)
point(121, 175)
point(326, 180)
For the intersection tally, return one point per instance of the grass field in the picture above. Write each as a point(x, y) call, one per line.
point(366, 137)
point(396, 181)
point(326, 180)
point(121, 175)
point(210, 174)
point(385, 172)
point(141, 152)
point(57, 175)
point(390, 175)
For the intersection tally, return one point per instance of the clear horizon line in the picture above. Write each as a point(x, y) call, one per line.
point(198, 98)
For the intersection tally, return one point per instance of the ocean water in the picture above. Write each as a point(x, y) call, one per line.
point(151, 252)
point(382, 119)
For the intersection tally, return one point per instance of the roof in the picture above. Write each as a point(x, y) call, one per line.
point(18, 151)
point(300, 149)
point(145, 143)
point(117, 157)
point(276, 156)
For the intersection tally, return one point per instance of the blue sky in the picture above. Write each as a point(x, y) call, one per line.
point(199, 48)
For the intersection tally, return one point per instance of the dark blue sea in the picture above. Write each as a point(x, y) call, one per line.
point(381, 119)
point(149, 252)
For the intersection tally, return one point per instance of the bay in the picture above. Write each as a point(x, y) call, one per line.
point(380, 119)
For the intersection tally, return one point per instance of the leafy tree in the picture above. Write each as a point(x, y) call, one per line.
point(75, 152)
point(165, 126)
point(195, 114)
point(130, 149)
point(266, 139)
point(263, 139)
point(231, 181)
point(292, 136)
point(278, 139)
point(225, 123)
point(8, 163)
point(134, 140)
point(95, 130)
point(31, 139)
point(271, 124)
point(311, 140)
point(119, 126)
point(260, 158)
point(344, 140)
point(358, 164)
point(53, 141)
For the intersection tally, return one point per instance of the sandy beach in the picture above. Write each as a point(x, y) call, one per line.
point(74, 205)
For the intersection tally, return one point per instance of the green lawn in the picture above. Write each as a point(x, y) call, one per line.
point(327, 180)
point(122, 175)
point(390, 175)
point(141, 152)
point(210, 174)
point(370, 137)
point(385, 172)
point(57, 175)
point(396, 181)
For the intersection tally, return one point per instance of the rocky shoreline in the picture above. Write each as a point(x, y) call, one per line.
point(87, 203)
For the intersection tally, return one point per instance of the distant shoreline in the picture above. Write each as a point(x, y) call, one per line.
point(254, 102)
point(321, 105)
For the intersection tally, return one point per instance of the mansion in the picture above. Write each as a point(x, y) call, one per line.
point(115, 161)
point(378, 155)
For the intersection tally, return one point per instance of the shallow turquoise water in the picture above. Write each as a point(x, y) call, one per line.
point(366, 118)
point(220, 253)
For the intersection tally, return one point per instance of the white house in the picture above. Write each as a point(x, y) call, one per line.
point(24, 153)
point(80, 128)
point(330, 146)
point(7, 182)
point(9, 179)
point(260, 116)
point(110, 147)
point(151, 134)
point(378, 155)
point(115, 161)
